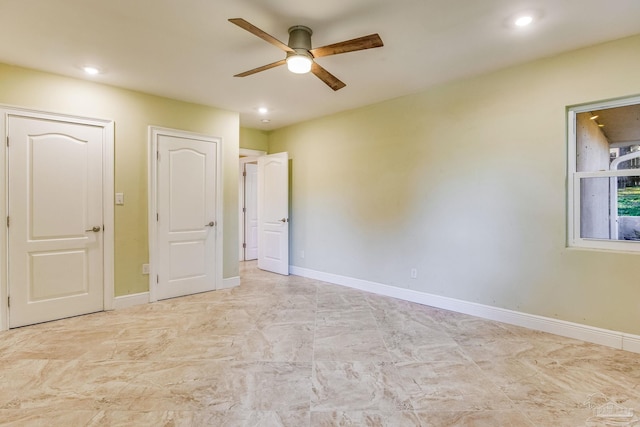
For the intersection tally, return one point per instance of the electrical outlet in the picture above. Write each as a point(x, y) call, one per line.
point(145, 268)
point(414, 273)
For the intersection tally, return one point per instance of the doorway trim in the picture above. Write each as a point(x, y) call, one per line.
point(247, 152)
point(152, 179)
point(108, 163)
point(246, 156)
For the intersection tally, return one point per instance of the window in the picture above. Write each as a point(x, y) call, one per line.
point(604, 175)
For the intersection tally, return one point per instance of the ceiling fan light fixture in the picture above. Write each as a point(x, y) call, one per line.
point(300, 56)
point(299, 64)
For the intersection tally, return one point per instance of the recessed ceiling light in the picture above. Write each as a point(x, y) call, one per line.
point(265, 121)
point(91, 70)
point(523, 21)
point(524, 18)
point(263, 110)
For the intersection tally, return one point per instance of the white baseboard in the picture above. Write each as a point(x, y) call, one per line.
point(125, 301)
point(230, 282)
point(631, 343)
point(563, 328)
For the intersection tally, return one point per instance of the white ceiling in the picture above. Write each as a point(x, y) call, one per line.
point(187, 50)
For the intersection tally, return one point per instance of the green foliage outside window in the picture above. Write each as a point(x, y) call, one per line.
point(629, 201)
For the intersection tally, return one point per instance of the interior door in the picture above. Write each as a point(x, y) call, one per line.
point(186, 218)
point(55, 238)
point(251, 211)
point(273, 213)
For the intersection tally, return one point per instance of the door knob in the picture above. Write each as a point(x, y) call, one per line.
point(94, 229)
point(284, 220)
point(211, 224)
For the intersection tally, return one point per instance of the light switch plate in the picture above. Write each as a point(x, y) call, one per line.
point(119, 198)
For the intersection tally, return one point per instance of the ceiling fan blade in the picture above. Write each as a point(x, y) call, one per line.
point(263, 68)
point(258, 32)
point(361, 43)
point(332, 81)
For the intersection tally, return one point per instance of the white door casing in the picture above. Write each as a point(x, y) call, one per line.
point(246, 156)
point(251, 211)
point(185, 223)
point(60, 206)
point(273, 213)
point(240, 212)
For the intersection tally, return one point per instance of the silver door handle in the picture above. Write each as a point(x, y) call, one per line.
point(211, 224)
point(284, 220)
point(94, 229)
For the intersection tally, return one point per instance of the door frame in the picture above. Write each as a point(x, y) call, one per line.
point(152, 179)
point(108, 192)
point(247, 156)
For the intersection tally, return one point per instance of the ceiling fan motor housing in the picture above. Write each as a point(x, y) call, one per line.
point(300, 37)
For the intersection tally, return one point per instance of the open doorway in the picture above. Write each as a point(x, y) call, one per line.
point(264, 210)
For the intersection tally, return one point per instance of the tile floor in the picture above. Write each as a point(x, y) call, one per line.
point(290, 351)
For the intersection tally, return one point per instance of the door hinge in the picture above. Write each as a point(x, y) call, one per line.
point(9, 302)
point(7, 140)
point(244, 246)
point(157, 217)
point(157, 278)
point(243, 173)
point(8, 221)
point(244, 210)
point(158, 155)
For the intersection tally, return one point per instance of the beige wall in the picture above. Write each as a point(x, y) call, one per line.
point(133, 112)
point(254, 139)
point(467, 183)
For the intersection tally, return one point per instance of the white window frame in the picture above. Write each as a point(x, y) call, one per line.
point(574, 178)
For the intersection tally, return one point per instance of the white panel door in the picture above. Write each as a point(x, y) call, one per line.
point(251, 211)
point(186, 199)
point(55, 235)
point(273, 213)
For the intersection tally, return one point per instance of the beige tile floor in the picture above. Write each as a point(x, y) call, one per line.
point(290, 351)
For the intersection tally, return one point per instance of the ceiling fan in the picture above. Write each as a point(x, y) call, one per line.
point(300, 55)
